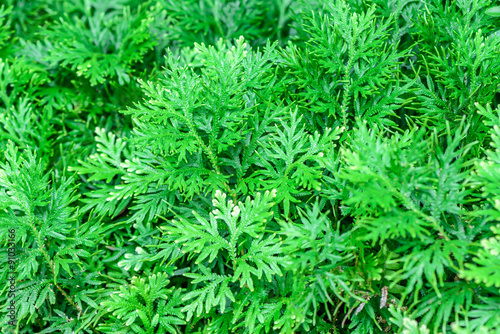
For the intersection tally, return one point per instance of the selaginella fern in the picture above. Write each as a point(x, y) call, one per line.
point(219, 129)
point(320, 187)
point(348, 70)
point(101, 40)
point(317, 259)
point(484, 267)
point(52, 263)
point(146, 306)
point(240, 276)
point(231, 259)
point(19, 85)
point(254, 19)
point(5, 32)
point(461, 69)
point(407, 192)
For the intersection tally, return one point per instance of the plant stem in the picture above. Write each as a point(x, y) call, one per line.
point(52, 268)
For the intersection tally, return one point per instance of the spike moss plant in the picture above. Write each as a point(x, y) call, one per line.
point(279, 166)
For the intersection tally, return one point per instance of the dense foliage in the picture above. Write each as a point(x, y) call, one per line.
point(250, 166)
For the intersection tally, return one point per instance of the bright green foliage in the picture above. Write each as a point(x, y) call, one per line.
point(51, 244)
point(219, 142)
point(487, 172)
point(256, 20)
point(103, 42)
point(317, 257)
point(4, 30)
point(250, 166)
point(240, 256)
point(147, 306)
point(460, 70)
point(348, 67)
point(486, 266)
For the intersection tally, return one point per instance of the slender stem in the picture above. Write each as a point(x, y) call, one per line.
point(211, 156)
point(52, 268)
point(412, 207)
point(347, 78)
